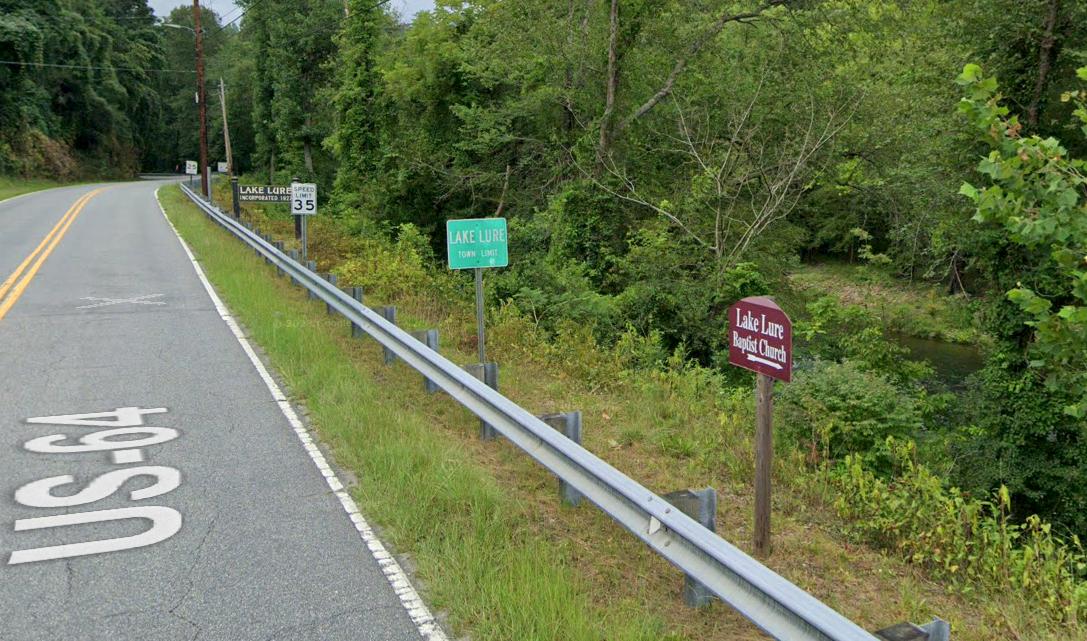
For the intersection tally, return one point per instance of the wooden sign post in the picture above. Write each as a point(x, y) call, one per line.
point(761, 340)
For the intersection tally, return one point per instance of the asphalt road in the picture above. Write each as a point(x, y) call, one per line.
point(212, 521)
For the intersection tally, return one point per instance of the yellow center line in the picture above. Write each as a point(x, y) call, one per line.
point(19, 270)
point(41, 252)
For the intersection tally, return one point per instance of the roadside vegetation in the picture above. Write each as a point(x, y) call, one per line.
point(11, 187)
point(672, 424)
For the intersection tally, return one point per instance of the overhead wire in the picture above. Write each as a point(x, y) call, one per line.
point(17, 63)
point(222, 27)
point(233, 20)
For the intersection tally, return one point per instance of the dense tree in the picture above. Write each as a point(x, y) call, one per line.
point(355, 140)
point(292, 48)
point(77, 85)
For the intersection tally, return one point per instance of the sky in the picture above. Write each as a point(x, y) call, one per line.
point(228, 9)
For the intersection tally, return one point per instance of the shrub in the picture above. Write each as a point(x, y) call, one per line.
point(839, 332)
point(836, 409)
point(385, 269)
point(971, 543)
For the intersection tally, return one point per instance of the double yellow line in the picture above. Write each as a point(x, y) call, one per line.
point(16, 284)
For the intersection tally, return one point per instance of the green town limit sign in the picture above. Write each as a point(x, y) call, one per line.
point(477, 243)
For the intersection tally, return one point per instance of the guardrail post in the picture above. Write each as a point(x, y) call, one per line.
point(334, 281)
point(389, 314)
point(312, 266)
point(357, 294)
point(279, 247)
point(700, 505)
point(936, 630)
point(293, 254)
point(488, 373)
point(234, 193)
point(570, 426)
point(428, 337)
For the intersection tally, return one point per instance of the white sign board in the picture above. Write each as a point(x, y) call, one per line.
point(303, 199)
point(191, 168)
point(222, 168)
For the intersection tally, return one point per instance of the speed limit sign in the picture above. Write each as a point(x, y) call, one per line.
point(303, 199)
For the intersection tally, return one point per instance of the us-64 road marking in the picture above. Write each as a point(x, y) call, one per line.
point(127, 422)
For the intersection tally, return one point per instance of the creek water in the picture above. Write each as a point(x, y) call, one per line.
point(953, 362)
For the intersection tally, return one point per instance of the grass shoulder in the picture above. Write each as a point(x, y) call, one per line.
point(12, 187)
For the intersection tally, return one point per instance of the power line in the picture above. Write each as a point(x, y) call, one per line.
point(15, 63)
point(232, 21)
point(335, 25)
point(232, 13)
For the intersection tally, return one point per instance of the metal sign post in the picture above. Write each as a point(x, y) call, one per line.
point(479, 316)
point(760, 339)
point(304, 205)
point(191, 168)
point(305, 239)
point(478, 243)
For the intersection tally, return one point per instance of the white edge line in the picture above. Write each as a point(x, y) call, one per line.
point(398, 579)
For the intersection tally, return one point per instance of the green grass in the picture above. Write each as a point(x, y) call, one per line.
point(468, 539)
point(11, 187)
point(916, 309)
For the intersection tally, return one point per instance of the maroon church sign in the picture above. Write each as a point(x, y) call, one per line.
point(760, 338)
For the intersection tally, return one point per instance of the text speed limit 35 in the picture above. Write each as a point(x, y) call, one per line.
point(303, 199)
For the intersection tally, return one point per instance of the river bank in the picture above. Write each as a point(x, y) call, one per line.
point(918, 309)
point(934, 326)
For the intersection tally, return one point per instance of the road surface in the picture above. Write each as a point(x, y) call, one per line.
point(151, 486)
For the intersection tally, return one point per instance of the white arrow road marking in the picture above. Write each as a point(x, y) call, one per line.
point(752, 357)
point(106, 302)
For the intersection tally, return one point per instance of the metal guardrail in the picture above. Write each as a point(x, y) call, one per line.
point(768, 600)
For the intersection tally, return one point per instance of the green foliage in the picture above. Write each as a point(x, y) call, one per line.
point(1019, 437)
point(355, 140)
point(83, 101)
point(970, 542)
point(388, 270)
point(1037, 195)
point(838, 409)
point(670, 289)
point(837, 332)
point(889, 173)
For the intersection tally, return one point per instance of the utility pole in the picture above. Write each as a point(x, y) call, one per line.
point(229, 152)
point(201, 96)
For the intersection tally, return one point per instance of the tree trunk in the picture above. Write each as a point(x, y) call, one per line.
point(693, 50)
point(1045, 62)
point(307, 148)
point(612, 87)
point(568, 75)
